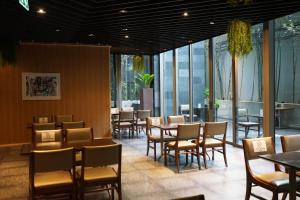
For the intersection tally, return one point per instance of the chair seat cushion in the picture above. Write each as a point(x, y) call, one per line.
point(181, 144)
point(278, 179)
point(94, 174)
point(48, 145)
point(51, 179)
point(156, 136)
point(211, 142)
point(141, 123)
point(248, 124)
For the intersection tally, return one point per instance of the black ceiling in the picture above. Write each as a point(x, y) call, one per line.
point(152, 26)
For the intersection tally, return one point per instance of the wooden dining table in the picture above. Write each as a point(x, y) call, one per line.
point(27, 148)
point(290, 160)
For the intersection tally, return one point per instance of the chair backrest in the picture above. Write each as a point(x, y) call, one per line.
point(79, 135)
point(243, 114)
point(114, 110)
point(93, 156)
point(52, 160)
point(126, 116)
point(154, 121)
point(290, 143)
point(257, 146)
point(43, 126)
point(188, 131)
point(42, 119)
point(63, 118)
point(44, 136)
point(215, 128)
point(70, 125)
point(143, 114)
point(176, 119)
point(184, 108)
point(127, 109)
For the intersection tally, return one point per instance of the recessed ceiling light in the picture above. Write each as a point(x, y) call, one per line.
point(164, 49)
point(41, 11)
point(125, 29)
point(212, 23)
point(126, 36)
point(123, 11)
point(190, 41)
point(91, 35)
point(185, 14)
point(137, 49)
point(57, 30)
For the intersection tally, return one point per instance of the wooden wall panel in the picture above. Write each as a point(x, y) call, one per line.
point(84, 73)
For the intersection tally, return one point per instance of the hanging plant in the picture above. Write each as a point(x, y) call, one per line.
point(138, 63)
point(8, 53)
point(239, 38)
point(237, 2)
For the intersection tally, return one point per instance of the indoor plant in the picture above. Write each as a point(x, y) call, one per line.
point(146, 94)
point(239, 38)
point(145, 79)
point(138, 63)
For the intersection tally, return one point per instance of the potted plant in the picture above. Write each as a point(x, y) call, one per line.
point(138, 63)
point(146, 94)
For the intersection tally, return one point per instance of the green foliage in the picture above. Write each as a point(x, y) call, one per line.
point(237, 2)
point(206, 92)
point(239, 38)
point(8, 53)
point(138, 63)
point(145, 79)
point(217, 103)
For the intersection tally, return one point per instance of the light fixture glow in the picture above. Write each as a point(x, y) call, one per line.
point(185, 14)
point(91, 35)
point(57, 30)
point(211, 23)
point(123, 11)
point(126, 36)
point(125, 29)
point(41, 11)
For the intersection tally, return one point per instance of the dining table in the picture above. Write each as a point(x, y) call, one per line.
point(290, 160)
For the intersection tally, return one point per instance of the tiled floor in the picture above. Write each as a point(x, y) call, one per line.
point(142, 178)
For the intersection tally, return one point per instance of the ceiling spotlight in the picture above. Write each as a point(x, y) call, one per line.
point(185, 14)
point(41, 11)
point(164, 49)
point(123, 11)
point(125, 29)
point(211, 23)
point(57, 30)
point(91, 35)
point(137, 49)
point(190, 41)
point(126, 36)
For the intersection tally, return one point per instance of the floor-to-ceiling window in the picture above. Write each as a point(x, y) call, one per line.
point(223, 82)
point(156, 85)
point(287, 75)
point(249, 89)
point(166, 60)
point(113, 92)
point(182, 81)
point(200, 80)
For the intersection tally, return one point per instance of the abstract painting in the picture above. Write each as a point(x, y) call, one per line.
point(40, 86)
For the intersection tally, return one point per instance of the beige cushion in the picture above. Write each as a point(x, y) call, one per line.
point(55, 178)
point(99, 173)
point(156, 136)
point(48, 145)
point(278, 179)
point(182, 144)
point(211, 142)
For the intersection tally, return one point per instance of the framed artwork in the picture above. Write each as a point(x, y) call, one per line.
point(40, 86)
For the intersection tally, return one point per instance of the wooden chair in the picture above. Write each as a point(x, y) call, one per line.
point(245, 123)
point(290, 143)
point(131, 109)
point(48, 139)
point(96, 169)
point(197, 197)
point(186, 133)
point(79, 135)
point(153, 133)
point(184, 109)
point(177, 119)
point(63, 118)
point(42, 119)
point(50, 174)
point(277, 181)
point(214, 137)
point(43, 126)
point(140, 121)
point(126, 120)
point(70, 125)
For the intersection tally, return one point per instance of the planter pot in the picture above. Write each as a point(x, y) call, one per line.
point(146, 99)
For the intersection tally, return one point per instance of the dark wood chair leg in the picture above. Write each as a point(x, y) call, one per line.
point(284, 196)
point(248, 190)
point(177, 159)
point(213, 154)
point(198, 158)
point(154, 150)
point(119, 188)
point(204, 156)
point(186, 157)
point(166, 153)
point(148, 143)
point(224, 155)
point(275, 196)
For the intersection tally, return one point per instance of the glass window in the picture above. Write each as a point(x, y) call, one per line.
point(113, 92)
point(182, 67)
point(156, 73)
point(200, 80)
